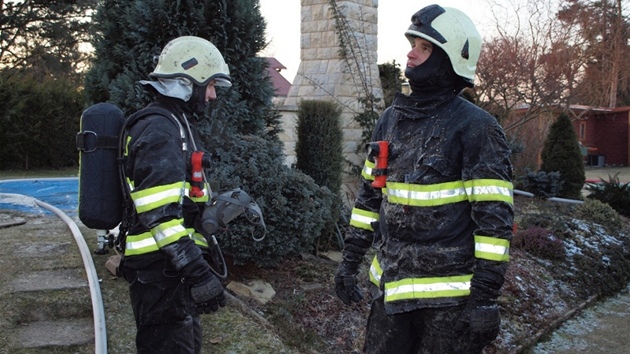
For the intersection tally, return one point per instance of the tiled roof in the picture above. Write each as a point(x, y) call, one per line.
point(281, 84)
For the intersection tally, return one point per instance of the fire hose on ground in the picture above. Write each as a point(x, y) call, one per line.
point(100, 333)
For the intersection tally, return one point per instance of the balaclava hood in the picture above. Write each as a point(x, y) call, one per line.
point(191, 97)
point(434, 76)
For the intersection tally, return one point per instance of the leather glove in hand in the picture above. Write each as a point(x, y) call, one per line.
point(346, 286)
point(484, 321)
point(208, 294)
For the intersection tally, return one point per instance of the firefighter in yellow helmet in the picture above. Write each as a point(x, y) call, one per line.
point(171, 282)
point(442, 222)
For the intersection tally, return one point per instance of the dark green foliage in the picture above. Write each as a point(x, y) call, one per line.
point(613, 193)
point(295, 208)
point(601, 213)
point(539, 242)
point(561, 153)
point(391, 80)
point(319, 148)
point(129, 34)
point(541, 183)
point(320, 142)
point(39, 119)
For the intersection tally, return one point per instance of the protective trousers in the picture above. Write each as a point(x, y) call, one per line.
point(426, 331)
point(165, 314)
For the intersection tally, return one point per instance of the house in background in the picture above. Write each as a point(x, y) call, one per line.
point(280, 83)
point(604, 133)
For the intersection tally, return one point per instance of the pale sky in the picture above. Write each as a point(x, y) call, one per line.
point(394, 16)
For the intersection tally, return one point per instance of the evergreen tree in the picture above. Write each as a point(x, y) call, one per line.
point(319, 149)
point(561, 153)
point(128, 35)
point(42, 37)
point(391, 79)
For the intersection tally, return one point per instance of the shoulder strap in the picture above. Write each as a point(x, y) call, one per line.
point(128, 214)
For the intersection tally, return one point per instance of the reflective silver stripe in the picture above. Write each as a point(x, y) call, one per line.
point(151, 198)
point(368, 170)
point(169, 232)
point(492, 248)
point(375, 272)
point(139, 244)
point(206, 193)
point(426, 195)
point(363, 219)
point(423, 288)
point(480, 190)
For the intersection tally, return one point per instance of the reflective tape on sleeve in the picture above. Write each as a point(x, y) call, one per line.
point(492, 248)
point(155, 197)
point(169, 232)
point(140, 244)
point(363, 219)
point(368, 170)
point(490, 190)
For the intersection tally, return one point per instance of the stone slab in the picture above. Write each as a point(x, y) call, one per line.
point(49, 280)
point(55, 333)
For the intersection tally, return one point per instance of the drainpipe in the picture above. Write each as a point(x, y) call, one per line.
point(552, 199)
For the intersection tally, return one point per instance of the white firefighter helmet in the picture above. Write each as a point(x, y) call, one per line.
point(194, 58)
point(454, 32)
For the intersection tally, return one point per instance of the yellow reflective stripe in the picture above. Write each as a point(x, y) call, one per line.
point(203, 199)
point(169, 232)
point(490, 190)
point(427, 288)
point(197, 237)
point(126, 153)
point(375, 272)
point(492, 248)
point(426, 195)
point(140, 244)
point(368, 169)
point(363, 219)
point(130, 184)
point(154, 197)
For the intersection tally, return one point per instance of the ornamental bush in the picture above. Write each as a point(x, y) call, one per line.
point(540, 242)
point(295, 208)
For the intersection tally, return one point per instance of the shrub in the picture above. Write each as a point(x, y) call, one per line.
point(319, 149)
point(613, 193)
point(561, 152)
point(600, 213)
point(295, 209)
point(39, 119)
point(541, 184)
point(539, 242)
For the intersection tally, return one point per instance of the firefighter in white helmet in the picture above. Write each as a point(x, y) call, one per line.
point(171, 282)
point(442, 223)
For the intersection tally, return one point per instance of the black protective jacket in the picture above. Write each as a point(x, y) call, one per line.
point(443, 223)
point(157, 155)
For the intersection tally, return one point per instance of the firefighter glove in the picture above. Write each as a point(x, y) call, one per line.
point(208, 295)
point(346, 286)
point(483, 319)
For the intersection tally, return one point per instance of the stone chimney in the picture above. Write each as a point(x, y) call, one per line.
point(324, 75)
